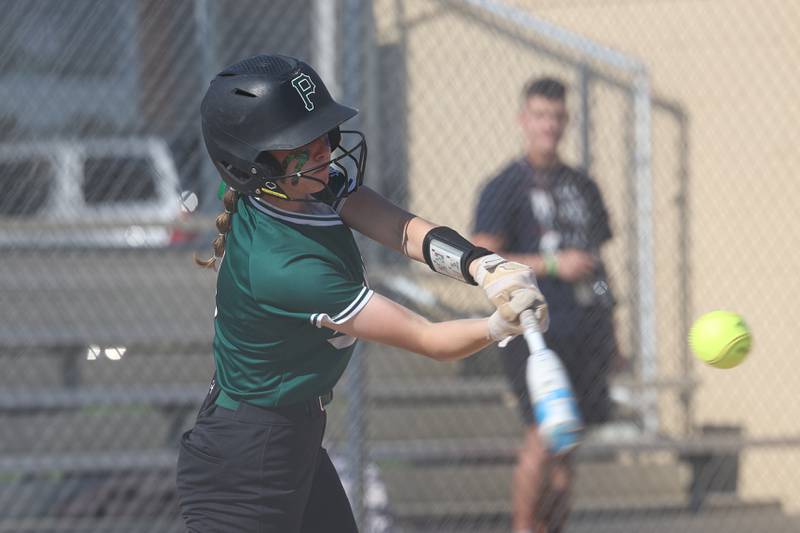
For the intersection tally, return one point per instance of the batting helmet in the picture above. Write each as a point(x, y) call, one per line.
point(273, 102)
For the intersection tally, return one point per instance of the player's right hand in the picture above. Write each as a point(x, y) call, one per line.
point(500, 279)
point(505, 325)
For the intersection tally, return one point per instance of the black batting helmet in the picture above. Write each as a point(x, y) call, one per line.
point(273, 102)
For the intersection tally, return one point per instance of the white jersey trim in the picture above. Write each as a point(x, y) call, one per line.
point(349, 312)
point(338, 205)
point(306, 219)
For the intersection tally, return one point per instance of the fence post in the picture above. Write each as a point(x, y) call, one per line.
point(352, 79)
point(584, 86)
point(646, 307)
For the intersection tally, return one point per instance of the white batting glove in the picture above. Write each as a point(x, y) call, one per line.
point(500, 279)
point(502, 329)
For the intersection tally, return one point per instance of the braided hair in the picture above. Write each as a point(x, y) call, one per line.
point(223, 223)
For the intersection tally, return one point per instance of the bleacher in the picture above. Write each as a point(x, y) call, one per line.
point(90, 445)
point(447, 459)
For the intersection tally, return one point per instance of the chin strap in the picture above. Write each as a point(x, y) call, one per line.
point(273, 189)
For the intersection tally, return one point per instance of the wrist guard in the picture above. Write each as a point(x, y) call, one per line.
point(450, 254)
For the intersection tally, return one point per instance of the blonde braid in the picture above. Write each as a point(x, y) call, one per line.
point(223, 224)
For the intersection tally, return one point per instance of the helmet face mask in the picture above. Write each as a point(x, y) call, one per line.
point(348, 163)
point(268, 103)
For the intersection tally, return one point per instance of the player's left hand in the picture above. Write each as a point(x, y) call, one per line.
point(500, 279)
point(504, 324)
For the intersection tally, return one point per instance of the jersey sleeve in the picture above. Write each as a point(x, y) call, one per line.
point(312, 288)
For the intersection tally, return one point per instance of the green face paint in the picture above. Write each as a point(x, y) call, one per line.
point(300, 157)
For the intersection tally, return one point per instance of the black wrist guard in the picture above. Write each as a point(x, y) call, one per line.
point(448, 253)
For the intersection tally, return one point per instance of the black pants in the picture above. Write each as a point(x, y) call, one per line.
point(259, 470)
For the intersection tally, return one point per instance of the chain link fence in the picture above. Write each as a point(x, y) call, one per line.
point(105, 323)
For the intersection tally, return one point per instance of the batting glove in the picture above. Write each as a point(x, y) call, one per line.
point(500, 279)
point(505, 325)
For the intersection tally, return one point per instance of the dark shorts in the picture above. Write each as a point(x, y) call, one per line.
point(260, 470)
point(587, 354)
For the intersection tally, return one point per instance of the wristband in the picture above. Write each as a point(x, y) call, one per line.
point(550, 265)
point(450, 254)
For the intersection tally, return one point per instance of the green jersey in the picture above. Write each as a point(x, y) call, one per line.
point(283, 273)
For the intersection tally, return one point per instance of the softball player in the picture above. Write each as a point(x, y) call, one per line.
point(292, 298)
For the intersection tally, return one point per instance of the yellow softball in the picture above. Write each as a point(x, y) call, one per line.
point(720, 339)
